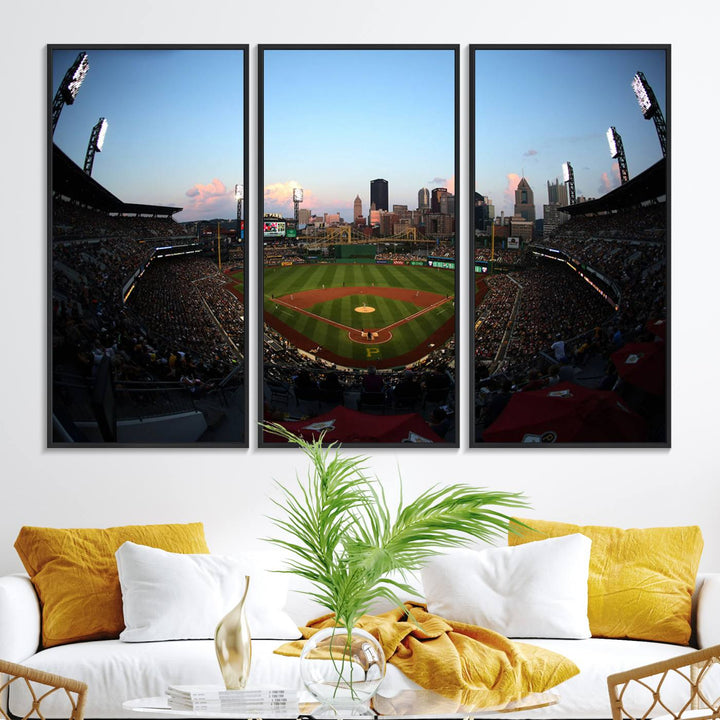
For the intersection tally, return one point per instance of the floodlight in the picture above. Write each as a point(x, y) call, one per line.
point(97, 138)
point(239, 192)
point(618, 151)
point(650, 108)
point(612, 142)
point(569, 178)
point(69, 86)
point(297, 194)
point(644, 94)
point(74, 78)
point(101, 134)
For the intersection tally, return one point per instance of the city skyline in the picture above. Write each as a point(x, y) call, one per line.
point(562, 103)
point(175, 125)
point(399, 127)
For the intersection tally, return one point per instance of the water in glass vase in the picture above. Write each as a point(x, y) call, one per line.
point(342, 671)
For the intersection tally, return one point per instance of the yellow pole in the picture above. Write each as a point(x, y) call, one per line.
point(492, 243)
point(218, 245)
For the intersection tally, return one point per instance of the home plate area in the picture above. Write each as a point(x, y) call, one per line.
point(376, 337)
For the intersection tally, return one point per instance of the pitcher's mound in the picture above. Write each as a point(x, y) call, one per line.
point(364, 309)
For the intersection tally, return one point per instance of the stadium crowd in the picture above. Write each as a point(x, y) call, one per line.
point(501, 257)
point(549, 324)
point(298, 383)
point(180, 323)
point(74, 221)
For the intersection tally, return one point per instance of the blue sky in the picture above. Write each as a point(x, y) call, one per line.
point(175, 125)
point(337, 119)
point(536, 109)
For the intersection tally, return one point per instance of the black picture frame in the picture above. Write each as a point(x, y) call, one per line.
point(500, 393)
point(276, 399)
point(152, 382)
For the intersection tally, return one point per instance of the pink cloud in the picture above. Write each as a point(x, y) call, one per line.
point(278, 197)
point(206, 198)
point(451, 185)
point(509, 192)
point(607, 182)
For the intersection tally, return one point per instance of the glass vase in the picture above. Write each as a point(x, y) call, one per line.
point(233, 645)
point(342, 670)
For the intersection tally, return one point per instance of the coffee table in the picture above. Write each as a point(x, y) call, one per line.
point(406, 705)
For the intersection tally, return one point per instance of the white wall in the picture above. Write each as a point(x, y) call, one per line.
point(227, 489)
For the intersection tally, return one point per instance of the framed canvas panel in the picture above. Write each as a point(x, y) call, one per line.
point(570, 247)
point(358, 165)
point(147, 169)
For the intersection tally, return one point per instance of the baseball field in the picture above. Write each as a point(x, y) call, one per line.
point(358, 315)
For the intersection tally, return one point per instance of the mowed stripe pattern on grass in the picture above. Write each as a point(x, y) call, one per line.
point(284, 280)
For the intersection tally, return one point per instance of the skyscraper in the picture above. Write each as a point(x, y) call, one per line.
point(423, 199)
point(557, 193)
point(435, 198)
point(379, 193)
point(525, 201)
point(357, 208)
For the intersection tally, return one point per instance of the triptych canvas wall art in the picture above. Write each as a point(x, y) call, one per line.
point(352, 261)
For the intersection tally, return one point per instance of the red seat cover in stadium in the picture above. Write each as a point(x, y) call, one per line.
point(642, 365)
point(345, 425)
point(657, 328)
point(566, 413)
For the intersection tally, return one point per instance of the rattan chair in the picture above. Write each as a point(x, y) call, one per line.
point(693, 680)
point(41, 685)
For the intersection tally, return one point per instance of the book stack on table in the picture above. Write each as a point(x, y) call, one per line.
point(216, 699)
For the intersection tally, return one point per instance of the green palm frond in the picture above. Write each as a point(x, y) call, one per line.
point(346, 541)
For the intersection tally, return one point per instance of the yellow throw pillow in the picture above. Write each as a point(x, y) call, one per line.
point(641, 581)
point(75, 574)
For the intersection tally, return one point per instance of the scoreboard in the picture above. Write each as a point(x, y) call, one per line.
point(275, 228)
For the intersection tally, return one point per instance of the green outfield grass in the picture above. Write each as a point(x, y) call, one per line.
point(279, 281)
point(239, 280)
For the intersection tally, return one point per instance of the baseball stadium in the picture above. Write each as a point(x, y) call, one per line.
point(337, 308)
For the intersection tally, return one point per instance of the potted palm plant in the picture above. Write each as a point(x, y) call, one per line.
point(343, 537)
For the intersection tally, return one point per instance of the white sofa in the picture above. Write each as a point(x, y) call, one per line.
point(117, 671)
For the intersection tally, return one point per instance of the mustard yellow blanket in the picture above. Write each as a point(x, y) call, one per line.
point(469, 665)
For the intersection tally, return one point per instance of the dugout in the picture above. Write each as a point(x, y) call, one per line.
point(362, 253)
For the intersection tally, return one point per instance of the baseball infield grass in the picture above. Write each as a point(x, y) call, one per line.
point(315, 320)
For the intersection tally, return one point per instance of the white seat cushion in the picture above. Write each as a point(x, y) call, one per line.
point(117, 671)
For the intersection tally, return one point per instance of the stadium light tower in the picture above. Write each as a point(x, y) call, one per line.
point(68, 90)
point(239, 197)
point(650, 108)
point(569, 178)
point(297, 199)
point(95, 144)
point(617, 151)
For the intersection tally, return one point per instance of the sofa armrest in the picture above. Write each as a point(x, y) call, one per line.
point(19, 618)
point(708, 610)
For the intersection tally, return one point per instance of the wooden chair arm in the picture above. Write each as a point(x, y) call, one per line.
point(75, 690)
point(691, 667)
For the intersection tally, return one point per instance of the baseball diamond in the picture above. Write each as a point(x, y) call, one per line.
point(325, 309)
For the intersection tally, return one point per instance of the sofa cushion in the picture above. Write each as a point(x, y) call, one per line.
point(117, 671)
point(75, 574)
point(183, 596)
point(530, 591)
point(641, 580)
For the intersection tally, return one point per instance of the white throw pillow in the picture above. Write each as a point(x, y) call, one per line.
point(176, 596)
point(536, 590)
